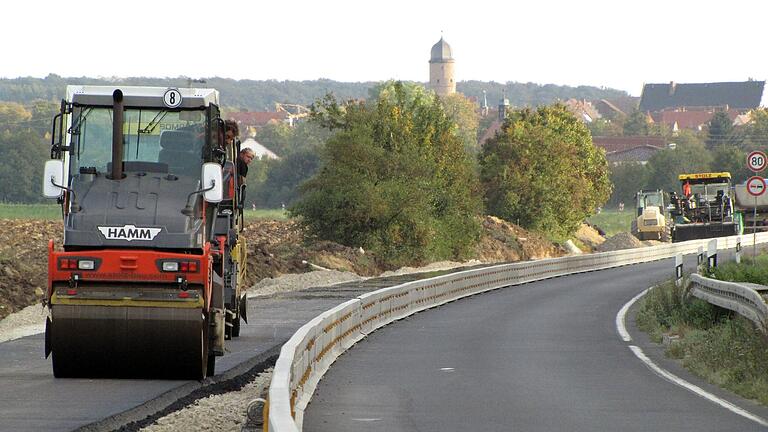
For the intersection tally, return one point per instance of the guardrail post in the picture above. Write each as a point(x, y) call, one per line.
point(700, 256)
point(712, 254)
point(679, 269)
point(737, 256)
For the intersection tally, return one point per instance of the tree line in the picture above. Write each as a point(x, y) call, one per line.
point(261, 95)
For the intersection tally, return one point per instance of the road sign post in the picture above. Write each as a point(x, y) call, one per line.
point(756, 188)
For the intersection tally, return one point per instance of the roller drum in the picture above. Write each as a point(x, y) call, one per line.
point(128, 342)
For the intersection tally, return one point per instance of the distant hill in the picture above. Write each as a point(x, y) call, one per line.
point(261, 95)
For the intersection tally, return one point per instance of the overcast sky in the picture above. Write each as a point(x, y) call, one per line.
point(615, 43)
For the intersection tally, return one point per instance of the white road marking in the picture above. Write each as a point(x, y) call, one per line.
point(622, 329)
point(695, 389)
point(620, 326)
point(447, 369)
point(366, 419)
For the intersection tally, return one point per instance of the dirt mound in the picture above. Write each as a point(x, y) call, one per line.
point(24, 261)
point(278, 247)
point(622, 240)
point(503, 241)
point(588, 236)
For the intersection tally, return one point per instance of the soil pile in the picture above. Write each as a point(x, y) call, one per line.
point(590, 237)
point(278, 247)
point(623, 240)
point(502, 241)
point(24, 261)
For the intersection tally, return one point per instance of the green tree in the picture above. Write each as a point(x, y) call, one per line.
point(283, 177)
point(394, 179)
point(755, 133)
point(24, 151)
point(731, 159)
point(636, 124)
point(276, 137)
point(627, 179)
point(465, 115)
point(543, 171)
point(666, 165)
point(720, 130)
point(603, 127)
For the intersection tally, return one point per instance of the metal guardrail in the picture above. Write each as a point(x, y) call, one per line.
point(309, 353)
point(742, 298)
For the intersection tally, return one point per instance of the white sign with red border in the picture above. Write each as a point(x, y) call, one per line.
point(756, 161)
point(756, 186)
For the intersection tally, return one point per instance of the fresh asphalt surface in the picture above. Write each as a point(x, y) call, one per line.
point(31, 399)
point(542, 356)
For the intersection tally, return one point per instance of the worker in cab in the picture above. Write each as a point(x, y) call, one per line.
point(231, 135)
point(687, 189)
point(244, 159)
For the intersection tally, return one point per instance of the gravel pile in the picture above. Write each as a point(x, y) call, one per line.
point(623, 240)
point(224, 412)
point(26, 322)
point(293, 282)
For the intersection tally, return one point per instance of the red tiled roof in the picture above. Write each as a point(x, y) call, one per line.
point(689, 118)
point(613, 144)
point(257, 118)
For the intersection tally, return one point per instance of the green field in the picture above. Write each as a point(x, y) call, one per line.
point(613, 221)
point(53, 212)
point(257, 214)
point(30, 211)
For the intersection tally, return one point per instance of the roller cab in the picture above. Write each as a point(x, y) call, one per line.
point(650, 222)
point(148, 281)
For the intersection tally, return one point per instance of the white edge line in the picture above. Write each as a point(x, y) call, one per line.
point(622, 329)
point(620, 317)
point(695, 389)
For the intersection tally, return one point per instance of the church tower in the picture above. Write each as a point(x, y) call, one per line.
point(441, 72)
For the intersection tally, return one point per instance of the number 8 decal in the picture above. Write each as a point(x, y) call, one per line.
point(172, 98)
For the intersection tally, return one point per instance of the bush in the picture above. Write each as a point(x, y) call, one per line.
point(394, 178)
point(749, 270)
point(543, 172)
point(669, 307)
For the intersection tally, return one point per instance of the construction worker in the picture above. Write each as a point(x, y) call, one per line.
point(245, 157)
point(231, 131)
point(687, 189)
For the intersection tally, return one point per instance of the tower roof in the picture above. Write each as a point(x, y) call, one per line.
point(441, 52)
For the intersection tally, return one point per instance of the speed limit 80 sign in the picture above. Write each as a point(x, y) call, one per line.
point(756, 161)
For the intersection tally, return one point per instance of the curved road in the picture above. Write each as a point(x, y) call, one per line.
point(543, 356)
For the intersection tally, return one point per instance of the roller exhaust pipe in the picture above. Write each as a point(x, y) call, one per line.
point(117, 135)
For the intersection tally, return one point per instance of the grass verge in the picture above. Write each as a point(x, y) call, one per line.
point(749, 270)
point(275, 214)
point(613, 221)
point(715, 344)
point(30, 211)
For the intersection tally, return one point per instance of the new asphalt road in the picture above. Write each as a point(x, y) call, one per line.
point(543, 356)
point(31, 399)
